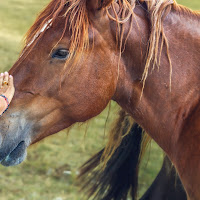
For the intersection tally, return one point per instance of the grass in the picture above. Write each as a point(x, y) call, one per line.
point(44, 175)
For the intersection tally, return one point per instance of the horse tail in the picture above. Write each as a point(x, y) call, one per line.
point(118, 177)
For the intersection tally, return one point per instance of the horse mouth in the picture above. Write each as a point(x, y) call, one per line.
point(16, 156)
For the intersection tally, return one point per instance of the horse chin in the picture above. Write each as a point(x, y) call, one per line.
point(17, 156)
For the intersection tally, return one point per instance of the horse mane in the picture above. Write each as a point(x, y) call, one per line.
point(76, 17)
point(185, 11)
point(75, 14)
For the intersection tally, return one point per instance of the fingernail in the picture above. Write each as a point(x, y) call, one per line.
point(1, 74)
point(10, 76)
point(6, 72)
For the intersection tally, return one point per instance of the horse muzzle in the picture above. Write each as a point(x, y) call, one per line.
point(15, 137)
point(15, 157)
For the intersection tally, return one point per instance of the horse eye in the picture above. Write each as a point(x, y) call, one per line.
point(61, 54)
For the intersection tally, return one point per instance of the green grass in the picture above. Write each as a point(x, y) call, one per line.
point(193, 4)
point(42, 175)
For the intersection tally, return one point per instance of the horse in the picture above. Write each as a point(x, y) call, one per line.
point(120, 176)
point(81, 54)
point(167, 184)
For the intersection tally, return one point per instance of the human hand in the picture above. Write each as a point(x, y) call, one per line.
point(6, 86)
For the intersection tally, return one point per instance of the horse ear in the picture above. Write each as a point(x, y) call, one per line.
point(98, 4)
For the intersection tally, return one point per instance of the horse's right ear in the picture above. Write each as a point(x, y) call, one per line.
point(98, 4)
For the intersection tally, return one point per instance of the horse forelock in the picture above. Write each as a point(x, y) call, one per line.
point(74, 14)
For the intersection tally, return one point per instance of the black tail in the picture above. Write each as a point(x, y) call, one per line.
point(120, 175)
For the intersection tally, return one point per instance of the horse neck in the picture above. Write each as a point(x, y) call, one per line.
point(164, 112)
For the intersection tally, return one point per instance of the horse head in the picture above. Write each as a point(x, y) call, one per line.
point(66, 73)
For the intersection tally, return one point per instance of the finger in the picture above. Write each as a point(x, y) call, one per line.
point(10, 81)
point(6, 77)
point(1, 79)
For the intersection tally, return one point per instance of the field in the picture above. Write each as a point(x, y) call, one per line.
point(50, 169)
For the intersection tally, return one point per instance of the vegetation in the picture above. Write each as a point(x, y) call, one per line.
point(50, 169)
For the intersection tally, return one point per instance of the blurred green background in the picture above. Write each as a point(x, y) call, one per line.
point(50, 169)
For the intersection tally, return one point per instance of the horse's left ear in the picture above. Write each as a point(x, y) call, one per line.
point(98, 4)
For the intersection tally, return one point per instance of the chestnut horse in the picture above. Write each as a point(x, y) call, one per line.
point(80, 54)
